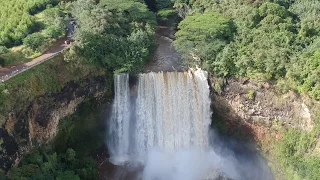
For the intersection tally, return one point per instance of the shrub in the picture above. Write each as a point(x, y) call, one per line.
point(53, 32)
point(62, 166)
point(251, 94)
point(68, 175)
point(161, 4)
point(269, 8)
point(3, 50)
point(16, 20)
point(166, 12)
point(34, 41)
point(293, 152)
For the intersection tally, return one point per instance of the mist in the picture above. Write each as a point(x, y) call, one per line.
point(167, 134)
point(225, 158)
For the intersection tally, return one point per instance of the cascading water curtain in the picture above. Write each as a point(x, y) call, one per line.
point(118, 137)
point(172, 112)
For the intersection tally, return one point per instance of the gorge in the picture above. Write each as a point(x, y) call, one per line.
point(123, 104)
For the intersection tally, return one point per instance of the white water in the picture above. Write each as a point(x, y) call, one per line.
point(168, 115)
point(163, 122)
point(171, 112)
point(119, 126)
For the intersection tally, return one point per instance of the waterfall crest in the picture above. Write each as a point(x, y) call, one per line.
point(167, 110)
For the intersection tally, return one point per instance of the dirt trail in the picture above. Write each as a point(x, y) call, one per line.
point(7, 73)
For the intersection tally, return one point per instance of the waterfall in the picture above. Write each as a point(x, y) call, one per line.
point(171, 111)
point(162, 122)
point(119, 125)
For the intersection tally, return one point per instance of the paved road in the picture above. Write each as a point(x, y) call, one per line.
point(7, 73)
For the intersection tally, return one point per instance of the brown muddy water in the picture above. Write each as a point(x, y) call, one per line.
point(166, 57)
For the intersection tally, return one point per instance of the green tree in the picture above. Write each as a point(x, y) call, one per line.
point(203, 36)
point(53, 32)
point(161, 4)
point(71, 155)
point(115, 34)
point(268, 8)
point(67, 175)
point(17, 21)
point(55, 17)
point(3, 50)
point(34, 41)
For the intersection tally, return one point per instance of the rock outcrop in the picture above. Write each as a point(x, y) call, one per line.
point(259, 111)
point(39, 122)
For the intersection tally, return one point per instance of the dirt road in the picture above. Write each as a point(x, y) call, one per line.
point(7, 73)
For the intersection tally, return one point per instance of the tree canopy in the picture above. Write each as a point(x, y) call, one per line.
point(34, 41)
point(117, 34)
point(43, 163)
point(204, 35)
point(271, 40)
point(16, 20)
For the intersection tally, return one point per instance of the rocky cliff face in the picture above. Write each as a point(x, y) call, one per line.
point(258, 111)
point(39, 122)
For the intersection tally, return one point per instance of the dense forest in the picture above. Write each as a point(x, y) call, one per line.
point(70, 155)
point(116, 34)
point(112, 34)
point(268, 40)
point(275, 40)
point(28, 28)
point(17, 20)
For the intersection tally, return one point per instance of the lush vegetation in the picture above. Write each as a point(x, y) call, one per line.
point(270, 40)
point(17, 20)
point(112, 35)
point(116, 34)
point(34, 40)
point(295, 152)
point(166, 14)
point(69, 157)
point(162, 4)
point(35, 24)
point(49, 77)
point(157, 5)
point(203, 37)
point(274, 40)
point(44, 163)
